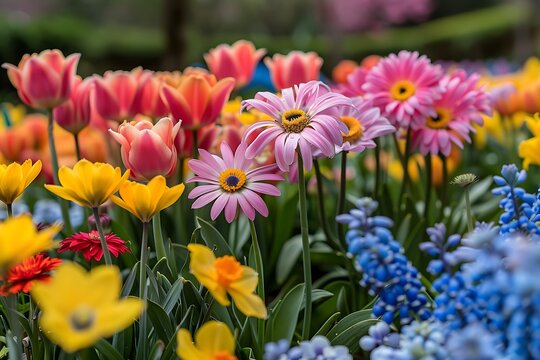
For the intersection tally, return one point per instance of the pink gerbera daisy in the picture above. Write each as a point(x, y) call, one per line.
point(231, 184)
point(462, 103)
point(303, 117)
point(89, 245)
point(365, 123)
point(404, 87)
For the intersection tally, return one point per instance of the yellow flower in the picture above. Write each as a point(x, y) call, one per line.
point(213, 341)
point(14, 178)
point(19, 240)
point(224, 275)
point(145, 201)
point(88, 184)
point(79, 308)
point(529, 149)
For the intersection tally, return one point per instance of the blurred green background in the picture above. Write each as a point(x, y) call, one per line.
point(170, 34)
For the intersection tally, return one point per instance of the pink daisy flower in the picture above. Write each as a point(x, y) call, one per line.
point(304, 117)
point(231, 184)
point(404, 87)
point(462, 103)
point(365, 123)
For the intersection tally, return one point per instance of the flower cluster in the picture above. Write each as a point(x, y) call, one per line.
point(317, 348)
point(385, 269)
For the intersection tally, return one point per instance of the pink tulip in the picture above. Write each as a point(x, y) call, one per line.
point(115, 93)
point(198, 98)
point(237, 61)
point(148, 150)
point(75, 114)
point(147, 99)
point(43, 80)
point(294, 68)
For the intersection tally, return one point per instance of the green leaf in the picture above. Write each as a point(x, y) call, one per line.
point(317, 295)
point(173, 296)
point(404, 229)
point(105, 348)
point(288, 257)
point(350, 337)
point(347, 322)
point(284, 318)
point(130, 280)
point(328, 324)
point(157, 350)
point(239, 234)
point(161, 321)
point(213, 238)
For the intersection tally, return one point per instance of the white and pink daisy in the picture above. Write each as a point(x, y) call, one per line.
point(365, 123)
point(404, 87)
point(303, 118)
point(231, 183)
point(462, 103)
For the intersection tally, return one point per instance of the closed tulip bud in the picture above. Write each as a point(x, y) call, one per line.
point(198, 98)
point(237, 61)
point(148, 150)
point(76, 113)
point(292, 69)
point(43, 80)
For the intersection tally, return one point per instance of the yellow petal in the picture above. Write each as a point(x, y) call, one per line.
point(213, 337)
point(67, 194)
point(170, 196)
point(185, 349)
point(249, 304)
point(118, 316)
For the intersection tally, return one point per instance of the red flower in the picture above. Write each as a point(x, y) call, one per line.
point(21, 277)
point(89, 246)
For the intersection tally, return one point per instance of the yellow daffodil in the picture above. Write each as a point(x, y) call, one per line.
point(19, 239)
point(88, 184)
point(529, 149)
point(79, 308)
point(14, 178)
point(145, 201)
point(213, 341)
point(224, 275)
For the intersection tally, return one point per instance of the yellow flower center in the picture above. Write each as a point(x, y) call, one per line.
point(232, 180)
point(294, 120)
point(356, 130)
point(402, 90)
point(228, 270)
point(82, 319)
point(222, 355)
point(441, 120)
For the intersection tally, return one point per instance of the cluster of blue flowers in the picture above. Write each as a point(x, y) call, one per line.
point(386, 271)
point(318, 348)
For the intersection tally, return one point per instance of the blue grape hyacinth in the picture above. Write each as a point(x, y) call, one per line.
point(318, 348)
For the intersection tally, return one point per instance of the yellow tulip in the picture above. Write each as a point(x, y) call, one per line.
point(213, 341)
point(145, 201)
point(14, 178)
point(19, 239)
point(224, 275)
point(88, 184)
point(79, 308)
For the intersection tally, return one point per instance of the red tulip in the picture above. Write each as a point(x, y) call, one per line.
point(43, 80)
point(237, 61)
point(76, 113)
point(148, 150)
point(292, 69)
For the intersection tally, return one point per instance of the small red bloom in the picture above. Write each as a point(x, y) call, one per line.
point(89, 246)
point(21, 277)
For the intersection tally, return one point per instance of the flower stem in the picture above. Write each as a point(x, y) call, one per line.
point(106, 253)
point(9, 210)
point(342, 192)
point(322, 212)
point(444, 184)
point(195, 141)
point(377, 168)
point(142, 287)
point(77, 146)
point(405, 165)
point(260, 271)
point(15, 345)
point(305, 247)
point(470, 221)
point(158, 237)
point(54, 164)
point(428, 186)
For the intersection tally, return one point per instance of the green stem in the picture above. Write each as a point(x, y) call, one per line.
point(377, 168)
point(444, 187)
point(77, 146)
point(15, 348)
point(195, 142)
point(106, 253)
point(54, 164)
point(158, 237)
point(260, 271)
point(322, 212)
point(9, 210)
point(342, 192)
point(305, 247)
point(142, 287)
point(405, 165)
point(178, 214)
point(428, 186)
point(470, 221)
point(208, 311)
